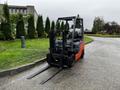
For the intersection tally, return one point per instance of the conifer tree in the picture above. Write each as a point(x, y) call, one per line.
point(6, 25)
point(20, 30)
point(47, 25)
point(40, 26)
point(53, 25)
point(31, 28)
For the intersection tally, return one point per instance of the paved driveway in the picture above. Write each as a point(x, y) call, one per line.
point(100, 70)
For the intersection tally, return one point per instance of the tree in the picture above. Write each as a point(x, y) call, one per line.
point(112, 28)
point(13, 21)
point(6, 12)
point(47, 25)
point(98, 25)
point(1, 33)
point(20, 30)
point(67, 26)
point(62, 27)
point(58, 28)
point(0, 27)
point(31, 28)
point(40, 26)
point(14, 18)
point(53, 25)
point(6, 25)
point(107, 28)
point(58, 25)
point(6, 30)
point(115, 27)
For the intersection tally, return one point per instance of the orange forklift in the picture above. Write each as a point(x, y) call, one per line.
point(70, 48)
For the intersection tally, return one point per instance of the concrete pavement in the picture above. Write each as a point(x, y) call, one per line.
point(99, 70)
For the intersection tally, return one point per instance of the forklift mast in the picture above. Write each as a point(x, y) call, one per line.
point(77, 23)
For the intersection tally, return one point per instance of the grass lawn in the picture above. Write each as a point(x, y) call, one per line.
point(88, 39)
point(11, 54)
point(104, 35)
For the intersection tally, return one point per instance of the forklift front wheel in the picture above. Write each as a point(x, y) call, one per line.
point(71, 61)
point(49, 59)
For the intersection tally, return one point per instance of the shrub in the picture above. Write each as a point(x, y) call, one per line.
point(1, 36)
point(6, 30)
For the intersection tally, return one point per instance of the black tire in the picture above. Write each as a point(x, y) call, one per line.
point(71, 61)
point(82, 56)
point(49, 59)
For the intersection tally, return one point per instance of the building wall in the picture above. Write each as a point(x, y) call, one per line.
point(25, 10)
point(14, 10)
point(31, 10)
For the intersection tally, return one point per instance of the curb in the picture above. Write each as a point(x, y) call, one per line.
point(14, 71)
point(105, 36)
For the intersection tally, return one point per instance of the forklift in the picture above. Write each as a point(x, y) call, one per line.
point(66, 51)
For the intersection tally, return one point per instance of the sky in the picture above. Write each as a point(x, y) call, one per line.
point(109, 10)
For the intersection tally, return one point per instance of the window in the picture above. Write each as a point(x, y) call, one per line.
point(10, 10)
point(15, 10)
point(25, 12)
